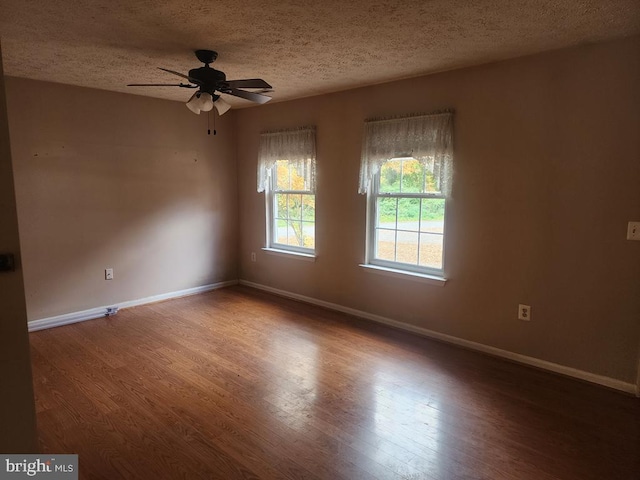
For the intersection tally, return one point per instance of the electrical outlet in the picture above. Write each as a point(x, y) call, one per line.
point(253, 256)
point(108, 274)
point(524, 312)
point(633, 231)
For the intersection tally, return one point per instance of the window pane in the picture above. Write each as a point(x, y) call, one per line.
point(309, 207)
point(408, 213)
point(385, 244)
point(386, 212)
point(286, 233)
point(390, 174)
point(309, 234)
point(431, 246)
point(281, 232)
point(407, 247)
point(412, 176)
point(282, 175)
point(280, 204)
point(294, 233)
point(432, 215)
point(294, 207)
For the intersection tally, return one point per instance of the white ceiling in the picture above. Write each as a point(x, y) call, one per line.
point(301, 47)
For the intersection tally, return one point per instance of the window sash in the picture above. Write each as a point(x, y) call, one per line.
point(373, 231)
point(272, 218)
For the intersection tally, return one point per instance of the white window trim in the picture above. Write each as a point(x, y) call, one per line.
point(387, 266)
point(271, 245)
point(405, 274)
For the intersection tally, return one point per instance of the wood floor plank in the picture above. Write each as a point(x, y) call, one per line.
point(239, 384)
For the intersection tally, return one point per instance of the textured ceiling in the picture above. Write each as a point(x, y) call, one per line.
point(300, 47)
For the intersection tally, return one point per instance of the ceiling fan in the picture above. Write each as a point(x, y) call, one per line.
point(208, 81)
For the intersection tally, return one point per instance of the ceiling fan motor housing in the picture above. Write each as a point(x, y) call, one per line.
point(210, 77)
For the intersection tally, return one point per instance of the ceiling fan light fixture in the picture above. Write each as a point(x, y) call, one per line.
point(193, 104)
point(206, 102)
point(221, 106)
point(200, 102)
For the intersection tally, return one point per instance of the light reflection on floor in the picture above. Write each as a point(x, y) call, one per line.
point(298, 364)
point(408, 423)
point(399, 422)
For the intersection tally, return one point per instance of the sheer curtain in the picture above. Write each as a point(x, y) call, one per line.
point(298, 146)
point(424, 137)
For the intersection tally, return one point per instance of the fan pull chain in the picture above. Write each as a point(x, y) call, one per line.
point(214, 124)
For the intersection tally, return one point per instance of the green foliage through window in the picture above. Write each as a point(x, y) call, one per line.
point(408, 209)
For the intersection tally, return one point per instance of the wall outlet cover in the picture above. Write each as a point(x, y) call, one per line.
point(524, 312)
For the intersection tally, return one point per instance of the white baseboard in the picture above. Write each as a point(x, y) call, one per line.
point(497, 352)
point(98, 312)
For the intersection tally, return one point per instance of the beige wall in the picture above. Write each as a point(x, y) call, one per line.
point(17, 411)
point(547, 169)
point(112, 180)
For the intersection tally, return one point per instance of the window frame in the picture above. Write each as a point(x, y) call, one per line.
point(373, 194)
point(270, 193)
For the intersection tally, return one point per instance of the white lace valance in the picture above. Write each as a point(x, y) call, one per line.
point(424, 137)
point(297, 146)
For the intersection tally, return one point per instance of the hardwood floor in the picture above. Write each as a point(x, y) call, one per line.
point(238, 384)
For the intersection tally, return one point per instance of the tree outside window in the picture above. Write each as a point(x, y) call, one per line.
point(294, 205)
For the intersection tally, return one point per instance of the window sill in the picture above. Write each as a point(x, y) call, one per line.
point(419, 277)
point(307, 257)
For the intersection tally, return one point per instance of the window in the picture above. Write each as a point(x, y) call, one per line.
point(292, 206)
point(286, 173)
point(407, 215)
point(405, 172)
